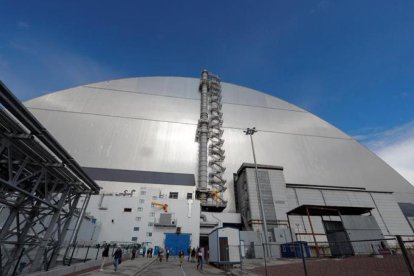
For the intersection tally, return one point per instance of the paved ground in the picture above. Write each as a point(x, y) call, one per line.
point(155, 268)
point(355, 266)
point(127, 267)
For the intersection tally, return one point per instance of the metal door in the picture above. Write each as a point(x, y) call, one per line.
point(176, 242)
point(338, 239)
point(224, 249)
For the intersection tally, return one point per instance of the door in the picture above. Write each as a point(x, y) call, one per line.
point(338, 239)
point(224, 249)
point(176, 242)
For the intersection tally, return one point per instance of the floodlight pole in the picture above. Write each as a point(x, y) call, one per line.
point(250, 132)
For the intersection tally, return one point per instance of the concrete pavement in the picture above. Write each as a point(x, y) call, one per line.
point(127, 267)
point(152, 267)
point(172, 268)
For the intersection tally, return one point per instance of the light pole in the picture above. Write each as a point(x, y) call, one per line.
point(250, 132)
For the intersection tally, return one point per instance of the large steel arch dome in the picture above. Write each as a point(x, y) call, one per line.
point(149, 124)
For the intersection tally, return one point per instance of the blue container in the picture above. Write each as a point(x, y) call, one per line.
point(292, 250)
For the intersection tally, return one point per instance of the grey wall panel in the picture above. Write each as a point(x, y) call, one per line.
point(131, 176)
point(392, 214)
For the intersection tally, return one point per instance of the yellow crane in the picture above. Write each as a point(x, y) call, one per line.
point(161, 205)
point(216, 196)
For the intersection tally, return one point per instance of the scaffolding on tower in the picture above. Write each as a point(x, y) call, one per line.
point(211, 183)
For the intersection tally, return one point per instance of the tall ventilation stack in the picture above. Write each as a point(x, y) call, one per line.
point(210, 138)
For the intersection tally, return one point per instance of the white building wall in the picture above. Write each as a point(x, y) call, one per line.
point(187, 216)
point(118, 225)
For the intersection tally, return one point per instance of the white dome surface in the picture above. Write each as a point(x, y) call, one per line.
point(149, 124)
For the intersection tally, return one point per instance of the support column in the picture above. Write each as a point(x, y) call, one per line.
point(64, 231)
point(313, 233)
point(37, 262)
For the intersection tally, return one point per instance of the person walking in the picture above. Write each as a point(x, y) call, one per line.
point(148, 252)
point(193, 255)
point(117, 258)
point(167, 254)
point(199, 259)
point(181, 257)
point(105, 254)
point(189, 253)
point(134, 252)
point(160, 253)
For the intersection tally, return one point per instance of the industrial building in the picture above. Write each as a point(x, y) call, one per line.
point(171, 157)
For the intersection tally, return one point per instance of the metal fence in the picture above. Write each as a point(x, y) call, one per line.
point(389, 256)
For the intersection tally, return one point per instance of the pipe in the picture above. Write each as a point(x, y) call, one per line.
point(203, 132)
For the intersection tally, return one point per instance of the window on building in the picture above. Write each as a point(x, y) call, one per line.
point(127, 209)
point(138, 218)
point(174, 195)
point(150, 224)
point(143, 192)
point(152, 214)
point(154, 197)
point(134, 239)
point(141, 200)
point(189, 195)
point(139, 209)
point(149, 234)
point(136, 228)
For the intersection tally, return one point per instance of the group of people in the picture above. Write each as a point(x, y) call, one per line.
point(117, 256)
point(195, 254)
point(161, 254)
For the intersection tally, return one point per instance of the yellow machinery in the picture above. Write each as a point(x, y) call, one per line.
point(163, 206)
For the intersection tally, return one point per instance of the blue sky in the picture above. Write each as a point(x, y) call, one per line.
point(349, 62)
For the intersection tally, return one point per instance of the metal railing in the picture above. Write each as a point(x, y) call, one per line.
point(81, 252)
point(388, 256)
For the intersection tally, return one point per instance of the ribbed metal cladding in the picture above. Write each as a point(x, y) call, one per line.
point(267, 196)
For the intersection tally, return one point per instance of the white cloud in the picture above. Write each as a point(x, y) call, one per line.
point(396, 147)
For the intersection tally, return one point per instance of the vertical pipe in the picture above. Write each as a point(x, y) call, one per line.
point(264, 224)
point(202, 184)
point(313, 233)
point(203, 136)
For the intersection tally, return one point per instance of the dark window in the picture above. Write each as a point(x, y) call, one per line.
point(174, 195)
point(134, 239)
point(136, 228)
point(127, 209)
point(189, 196)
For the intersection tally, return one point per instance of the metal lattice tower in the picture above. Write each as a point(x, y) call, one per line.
point(40, 187)
point(210, 137)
